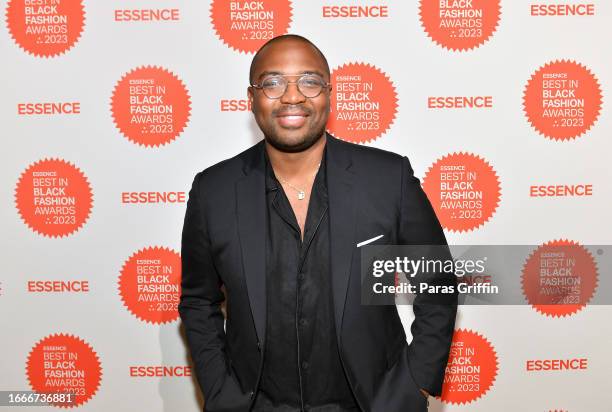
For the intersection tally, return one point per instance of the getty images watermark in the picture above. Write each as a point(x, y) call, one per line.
point(423, 267)
point(559, 272)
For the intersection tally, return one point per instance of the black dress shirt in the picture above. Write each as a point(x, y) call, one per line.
point(302, 369)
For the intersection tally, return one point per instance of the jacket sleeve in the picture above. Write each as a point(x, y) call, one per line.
point(434, 323)
point(200, 311)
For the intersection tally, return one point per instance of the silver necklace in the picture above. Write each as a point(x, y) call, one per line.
point(301, 194)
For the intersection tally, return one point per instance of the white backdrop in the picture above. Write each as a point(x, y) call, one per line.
point(108, 332)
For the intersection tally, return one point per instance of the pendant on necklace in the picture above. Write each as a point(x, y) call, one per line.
point(301, 195)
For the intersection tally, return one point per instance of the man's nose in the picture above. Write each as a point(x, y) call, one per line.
point(292, 94)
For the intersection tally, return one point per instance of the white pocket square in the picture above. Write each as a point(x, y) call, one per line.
point(365, 242)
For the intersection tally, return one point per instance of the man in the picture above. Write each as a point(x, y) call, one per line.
point(278, 226)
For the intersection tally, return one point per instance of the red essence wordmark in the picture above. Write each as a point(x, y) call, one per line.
point(159, 371)
point(57, 286)
point(147, 15)
point(536, 365)
point(376, 11)
point(562, 9)
point(235, 105)
point(561, 190)
point(460, 102)
point(48, 108)
point(153, 197)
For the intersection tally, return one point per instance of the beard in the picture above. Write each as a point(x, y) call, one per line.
point(299, 145)
point(294, 145)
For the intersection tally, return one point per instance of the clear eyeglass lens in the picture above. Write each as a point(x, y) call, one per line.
point(310, 86)
point(275, 86)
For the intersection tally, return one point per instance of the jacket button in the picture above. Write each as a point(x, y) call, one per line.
point(251, 394)
point(259, 346)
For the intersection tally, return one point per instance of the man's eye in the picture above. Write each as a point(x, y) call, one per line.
point(311, 81)
point(269, 83)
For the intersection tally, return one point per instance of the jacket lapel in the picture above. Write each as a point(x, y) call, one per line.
point(251, 210)
point(342, 223)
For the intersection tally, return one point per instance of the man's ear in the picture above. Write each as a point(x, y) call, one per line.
point(250, 96)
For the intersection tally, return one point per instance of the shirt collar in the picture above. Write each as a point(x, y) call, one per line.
point(273, 184)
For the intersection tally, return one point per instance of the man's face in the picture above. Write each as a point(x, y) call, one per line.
point(291, 123)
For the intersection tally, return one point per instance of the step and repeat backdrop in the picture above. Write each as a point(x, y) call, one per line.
point(109, 108)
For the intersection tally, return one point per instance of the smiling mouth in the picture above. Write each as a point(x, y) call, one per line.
point(292, 120)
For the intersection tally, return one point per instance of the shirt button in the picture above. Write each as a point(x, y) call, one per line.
point(302, 321)
point(259, 346)
point(301, 276)
point(304, 365)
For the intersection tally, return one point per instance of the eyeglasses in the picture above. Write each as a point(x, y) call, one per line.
point(310, 85)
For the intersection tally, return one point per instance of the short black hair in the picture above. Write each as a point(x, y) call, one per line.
point(286, 37)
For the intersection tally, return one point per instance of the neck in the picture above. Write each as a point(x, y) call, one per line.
point(296, 165)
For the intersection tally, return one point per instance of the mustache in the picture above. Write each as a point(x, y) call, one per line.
point(289, 110)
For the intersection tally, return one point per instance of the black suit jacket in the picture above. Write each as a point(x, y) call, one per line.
point(371, 192)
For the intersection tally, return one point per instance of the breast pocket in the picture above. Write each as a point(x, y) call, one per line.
point(378, 239)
